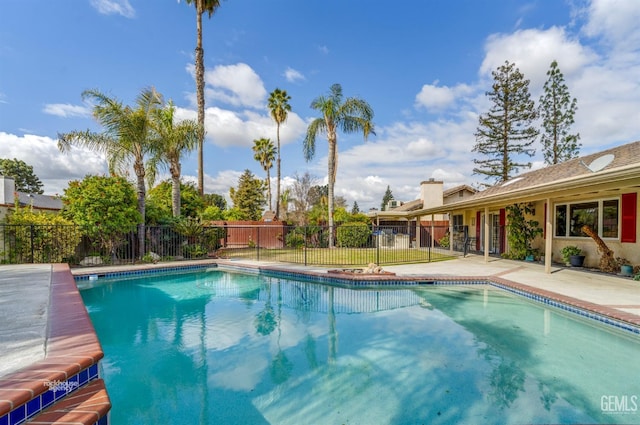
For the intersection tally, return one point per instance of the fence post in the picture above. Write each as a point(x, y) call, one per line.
point(257, 243)
point(378, 238)
point(305, 245)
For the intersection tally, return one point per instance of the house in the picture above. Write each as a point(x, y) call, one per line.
point(406, 218)
point(599, 190)
point(8, 196)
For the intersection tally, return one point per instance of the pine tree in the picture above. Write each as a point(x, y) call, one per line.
point(557, 110)
point(249, 197)
point(506, 131)
point(355, 209)
point(388, 196)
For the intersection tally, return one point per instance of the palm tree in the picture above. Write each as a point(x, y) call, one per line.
point(279, 107)
point(126, 140)
point(173, 139)
point(285, 196)
point(352, 115)
point(264, 153)
point(209, 6)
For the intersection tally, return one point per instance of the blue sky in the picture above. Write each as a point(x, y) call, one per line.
point(424, 66)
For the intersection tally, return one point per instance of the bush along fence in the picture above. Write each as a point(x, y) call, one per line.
point(356, 244)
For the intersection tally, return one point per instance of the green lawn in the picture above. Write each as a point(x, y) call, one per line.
point(337, 256)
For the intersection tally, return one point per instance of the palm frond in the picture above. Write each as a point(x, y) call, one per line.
point(318, 125)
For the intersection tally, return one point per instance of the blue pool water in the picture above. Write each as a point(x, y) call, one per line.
point(216, 347)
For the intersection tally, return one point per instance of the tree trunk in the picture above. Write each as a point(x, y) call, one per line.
point(333, 165)
point(200, 94)
point(269, 188)
point(141, 189)
point(278, 172)
point(175, 189)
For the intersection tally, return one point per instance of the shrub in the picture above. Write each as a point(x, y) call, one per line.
point(444, 241)
point(294, 240)
point(353, 235)
point(521, 231)
point(105, 208)
point(40, 237)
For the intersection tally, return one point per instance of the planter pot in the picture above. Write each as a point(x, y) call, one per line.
point(529, 258)
point(576, 260)
point(626, 270)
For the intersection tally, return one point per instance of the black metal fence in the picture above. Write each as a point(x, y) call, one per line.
point(355, 245)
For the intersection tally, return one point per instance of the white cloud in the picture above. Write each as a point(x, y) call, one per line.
point(66, 110)
point(111, 7)
point(52, 167)
point(235, 85)
point(616, 22)
point(323, 49)
point(226, 128)
point(432, 96)
point(292, 75)
point(533, 50)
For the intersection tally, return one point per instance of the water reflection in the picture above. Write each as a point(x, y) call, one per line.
point(232, 348)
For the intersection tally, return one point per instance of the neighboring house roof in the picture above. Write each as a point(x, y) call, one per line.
point(456, 189)
point(613, 166)
point(409, 206)
point(418, 203)
point(43, 202)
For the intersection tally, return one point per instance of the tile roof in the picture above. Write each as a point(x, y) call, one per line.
point(409, 206)
point(457, 189)
point(40, 201)
point(623, 156)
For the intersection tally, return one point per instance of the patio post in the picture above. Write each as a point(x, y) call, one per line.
point(486, 234)
point(450, 232)
point(548, 242)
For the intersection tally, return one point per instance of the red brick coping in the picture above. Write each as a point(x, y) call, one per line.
point(71, 347)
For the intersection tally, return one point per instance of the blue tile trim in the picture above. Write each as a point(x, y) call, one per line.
point(57, 390)
point(566, 307)
point(18, 415)
point(131, 273)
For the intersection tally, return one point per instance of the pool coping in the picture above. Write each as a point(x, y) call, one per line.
point(72, 354)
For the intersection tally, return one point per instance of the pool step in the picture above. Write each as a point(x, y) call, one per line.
point(88, 405)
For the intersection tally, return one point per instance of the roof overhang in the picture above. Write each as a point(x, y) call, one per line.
point(614, 179)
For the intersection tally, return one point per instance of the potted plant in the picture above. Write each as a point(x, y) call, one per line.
point(626, 269)
point(572, 255)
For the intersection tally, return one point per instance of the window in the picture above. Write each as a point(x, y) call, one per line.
point(602, 216)
point(582, 214)
point(610, 219)
point(457, 223)
point(561, 220)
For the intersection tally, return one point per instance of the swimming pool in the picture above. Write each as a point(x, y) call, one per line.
point(220, 347)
